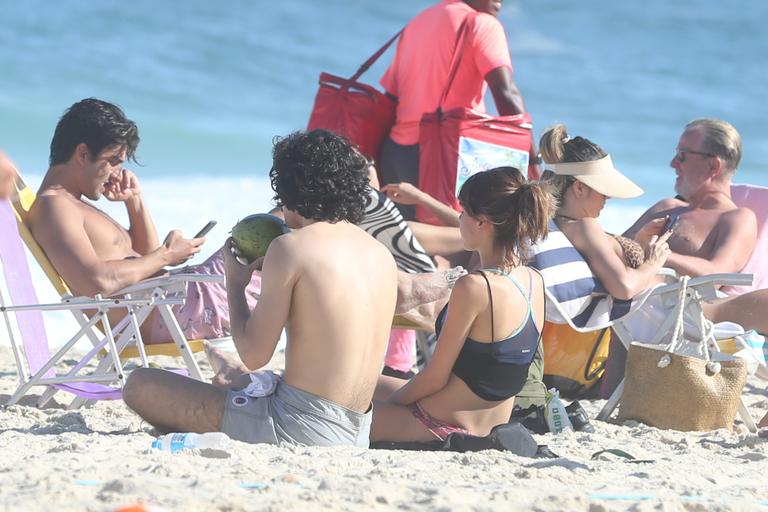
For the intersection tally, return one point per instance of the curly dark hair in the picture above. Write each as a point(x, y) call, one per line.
point(96, 123)
point(320, 175)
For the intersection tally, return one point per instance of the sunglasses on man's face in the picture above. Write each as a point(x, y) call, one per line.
point(680, 154)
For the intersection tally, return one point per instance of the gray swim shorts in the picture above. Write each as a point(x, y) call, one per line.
point(291, 415)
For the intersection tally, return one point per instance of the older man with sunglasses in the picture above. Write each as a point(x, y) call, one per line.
point(712, 234)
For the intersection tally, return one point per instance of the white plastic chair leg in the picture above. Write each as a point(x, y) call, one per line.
point(746, 417)
point(612, 402)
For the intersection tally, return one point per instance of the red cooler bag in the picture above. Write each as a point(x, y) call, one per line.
point(455, 144)
point(355, 110)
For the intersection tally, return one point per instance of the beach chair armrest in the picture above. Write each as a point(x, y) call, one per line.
point(707, 285)
point(81, 303)
point(168, 281)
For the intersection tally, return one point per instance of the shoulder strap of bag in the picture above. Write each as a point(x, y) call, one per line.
point(458, 52)
point(373, 58)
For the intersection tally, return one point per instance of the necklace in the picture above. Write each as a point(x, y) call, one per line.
point(566, 217)
point(493, 270)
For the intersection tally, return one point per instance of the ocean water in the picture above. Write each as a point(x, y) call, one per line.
point(211, 84)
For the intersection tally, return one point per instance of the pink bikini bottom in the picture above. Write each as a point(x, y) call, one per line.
point(438, 427)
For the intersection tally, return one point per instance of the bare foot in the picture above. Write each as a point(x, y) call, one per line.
point(414, 290)
point(230, 373)
point(764, 421)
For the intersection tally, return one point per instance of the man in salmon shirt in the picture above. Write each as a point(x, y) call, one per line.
point(419, 72)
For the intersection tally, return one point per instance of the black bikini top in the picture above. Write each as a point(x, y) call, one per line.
point(497, 370)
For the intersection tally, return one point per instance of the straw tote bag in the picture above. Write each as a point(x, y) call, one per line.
point(353, 109)
point(668, 390)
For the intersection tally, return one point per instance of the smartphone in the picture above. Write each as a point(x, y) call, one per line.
point(672, 222)
point(205, 229)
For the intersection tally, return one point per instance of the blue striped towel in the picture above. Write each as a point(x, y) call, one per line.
point(574, 295)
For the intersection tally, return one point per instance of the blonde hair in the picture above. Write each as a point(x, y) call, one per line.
point(721, 139)
point(557, 147)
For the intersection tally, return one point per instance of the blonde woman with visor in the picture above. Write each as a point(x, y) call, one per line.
point(582, 178)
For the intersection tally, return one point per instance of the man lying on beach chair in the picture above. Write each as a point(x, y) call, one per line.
point(35, 361)
point(335, 289)
point(93, 253)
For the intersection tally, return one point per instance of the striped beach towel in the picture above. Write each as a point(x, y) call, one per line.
point(385, 223)
point(574, 295)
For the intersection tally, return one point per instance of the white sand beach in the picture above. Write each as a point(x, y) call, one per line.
point(99, 459)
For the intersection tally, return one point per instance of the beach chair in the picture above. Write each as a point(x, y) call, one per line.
point(755, 198)
point(164, 293)
point(34, 360)
point(575, 297)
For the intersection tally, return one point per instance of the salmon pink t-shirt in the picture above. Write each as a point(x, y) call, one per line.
point(419, 72)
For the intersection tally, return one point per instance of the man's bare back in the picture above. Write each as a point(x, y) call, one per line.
point(341, 312)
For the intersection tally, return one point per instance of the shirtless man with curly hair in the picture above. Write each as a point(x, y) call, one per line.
point(335, 305)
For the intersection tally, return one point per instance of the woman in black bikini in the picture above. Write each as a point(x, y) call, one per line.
point(491, 327)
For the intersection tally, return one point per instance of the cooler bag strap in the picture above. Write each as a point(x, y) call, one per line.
point(458, 52)
point(373, 58)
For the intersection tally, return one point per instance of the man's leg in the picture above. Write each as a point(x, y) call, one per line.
point(174, 403)
point(747, 310)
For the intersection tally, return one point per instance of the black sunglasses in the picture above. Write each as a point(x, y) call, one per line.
point(680, 154)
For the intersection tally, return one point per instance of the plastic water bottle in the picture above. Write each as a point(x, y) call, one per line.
point(555, 413)
point(187, 441)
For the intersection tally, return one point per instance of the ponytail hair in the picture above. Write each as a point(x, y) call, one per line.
point(519, 210)
point(557, 147)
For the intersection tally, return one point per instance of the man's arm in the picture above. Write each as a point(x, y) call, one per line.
point(257, 332)
point(734, 240)
point(506, 95)
point(126, 188)
point(509, 102)
point(60, 230)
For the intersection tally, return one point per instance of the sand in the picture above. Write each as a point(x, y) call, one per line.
point(99, 458)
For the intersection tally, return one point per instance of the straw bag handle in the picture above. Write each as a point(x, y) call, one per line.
point(678, 336)
point(373, 58)
point(677, 332)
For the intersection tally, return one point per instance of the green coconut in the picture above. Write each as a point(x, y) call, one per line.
point(252, 235)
